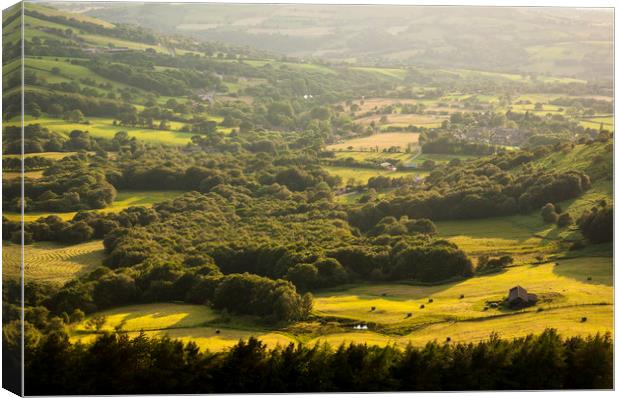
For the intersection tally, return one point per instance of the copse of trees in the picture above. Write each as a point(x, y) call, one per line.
point(274, 300)
point(448, 144)
point(30, 163)
point(36, 139)
point(47, 101)
point(597, 224)
point(143, 365)
point(70, 184)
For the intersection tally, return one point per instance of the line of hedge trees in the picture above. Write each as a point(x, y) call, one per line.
point(474, 190)
point(30, 163)
point(72, 184)
point(448, 144)
point(118, 364)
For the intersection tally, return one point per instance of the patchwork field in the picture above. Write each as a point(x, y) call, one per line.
point(380, 141)
point(51, 262)
point(124, 199)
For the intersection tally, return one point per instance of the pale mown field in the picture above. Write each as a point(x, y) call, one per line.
point(51, 262)
point(380, 141)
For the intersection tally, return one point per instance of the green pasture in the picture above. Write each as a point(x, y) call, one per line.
point(363, 175)
point(103, 128)
point(259, 63)
point(390, 72)
point(68, 71)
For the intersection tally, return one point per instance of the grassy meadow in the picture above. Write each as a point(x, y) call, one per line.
point(363, 175)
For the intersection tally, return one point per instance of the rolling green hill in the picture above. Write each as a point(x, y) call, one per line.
point(495, 38)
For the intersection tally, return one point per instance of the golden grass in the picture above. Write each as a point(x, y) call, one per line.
point(9, 175)
point(565, 286)
point(51, 262)
point(565, 295)
point(566, 320)
point(46, 155)
point(185, 322)
point(155, 316)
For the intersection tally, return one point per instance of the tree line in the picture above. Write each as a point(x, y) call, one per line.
point(118, 364)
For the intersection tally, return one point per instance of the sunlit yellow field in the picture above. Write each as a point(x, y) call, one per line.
point(197, 323)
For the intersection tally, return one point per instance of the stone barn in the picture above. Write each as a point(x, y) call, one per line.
point(519, 297)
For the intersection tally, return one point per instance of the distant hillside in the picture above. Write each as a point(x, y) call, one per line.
point(561, 42)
